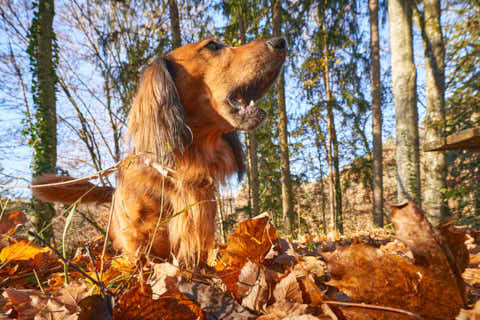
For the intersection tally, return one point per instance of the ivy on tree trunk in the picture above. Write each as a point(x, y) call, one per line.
point(41, 131)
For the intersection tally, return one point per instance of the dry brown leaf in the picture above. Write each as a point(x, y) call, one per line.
point(71, 294)
point(373, 276)
point(252, 287)
point(161, 271)
point(251, 241)
point(313, 294)
point(96, 307)
point(215, 303)
point(9, 223)
point(288, 289)
point(472, 276)
point(455, 239)
point(430, 249)
point(314, 265)
point(139, 304)
point(280, 310)
point(32, 304)
point(475, 258)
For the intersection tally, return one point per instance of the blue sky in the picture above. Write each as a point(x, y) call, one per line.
point(16, 160)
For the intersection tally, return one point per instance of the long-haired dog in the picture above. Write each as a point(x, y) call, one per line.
point(183, 127)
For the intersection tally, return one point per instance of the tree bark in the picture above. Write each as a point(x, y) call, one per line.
point(175, 23)
point(287, 194)
point(319, 142)
point(332, 150)
point(252, 141)
point(377, 157)
point(404, 78)
point(435, 168)
point(45, 144)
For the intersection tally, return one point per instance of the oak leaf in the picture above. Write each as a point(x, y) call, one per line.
point(251, 241)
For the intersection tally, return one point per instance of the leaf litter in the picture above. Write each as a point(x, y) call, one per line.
point(420, 272)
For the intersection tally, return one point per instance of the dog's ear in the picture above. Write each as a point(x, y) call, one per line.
point(156, 121)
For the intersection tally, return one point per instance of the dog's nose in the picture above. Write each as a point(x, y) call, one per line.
point(278, 44)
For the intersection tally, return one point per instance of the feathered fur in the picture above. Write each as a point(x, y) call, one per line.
point(185, 116)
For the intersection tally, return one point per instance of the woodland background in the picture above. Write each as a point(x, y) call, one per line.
point(365, 85)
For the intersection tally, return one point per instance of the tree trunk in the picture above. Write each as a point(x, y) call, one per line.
point(332, 150)
point(287, 194)
point(44, 135)
point(175, 23)
point(404, 78)
point(377, 156)
point(435, 169)
point(252, 142)
point(319, 141)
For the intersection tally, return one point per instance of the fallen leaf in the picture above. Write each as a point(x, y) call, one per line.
point(251, 241)
point(370, 275)
point(9, 223)
point(161, 271)
point(22, 250)
point(96, 307)
point(138, 303)
point(252, 287)
point(288, 290)
point(430, 249)
point(214, 303)
point(32, 304)
point(455, 240)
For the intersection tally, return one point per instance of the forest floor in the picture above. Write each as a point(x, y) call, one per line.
point(417, 271)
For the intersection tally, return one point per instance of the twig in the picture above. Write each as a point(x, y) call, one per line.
point(104, 250)
point(101, 173)
point(102, 288)
point(93, 223)
point(36, 236)
point(38, 281)
point(28, 274)
point(370, 306)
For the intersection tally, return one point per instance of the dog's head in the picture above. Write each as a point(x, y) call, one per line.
point(200, 87)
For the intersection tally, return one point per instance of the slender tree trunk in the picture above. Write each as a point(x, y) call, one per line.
point(338, 186)
point(287, 194)
point(377, 156)
point(254, 172)
point(45, 132)
point(175, 23)
point(332, 152)
point(252, 142)
point(249, 176)
point(435, 170)
point(404, 78)
point(318, 143)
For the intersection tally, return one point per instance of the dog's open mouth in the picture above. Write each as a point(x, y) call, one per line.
point(242, 100)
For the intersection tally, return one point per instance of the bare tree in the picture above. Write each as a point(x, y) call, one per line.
point(436, 169)
point(404, 77)
point(287, 193)
point(377, 157)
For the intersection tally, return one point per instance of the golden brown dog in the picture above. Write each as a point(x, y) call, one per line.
point(182, 125)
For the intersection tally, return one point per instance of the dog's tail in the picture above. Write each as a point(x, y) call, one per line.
point(84, 191)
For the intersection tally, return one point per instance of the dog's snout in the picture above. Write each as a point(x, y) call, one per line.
point(278, 44)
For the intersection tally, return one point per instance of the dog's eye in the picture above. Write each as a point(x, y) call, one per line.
point(214, 46)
